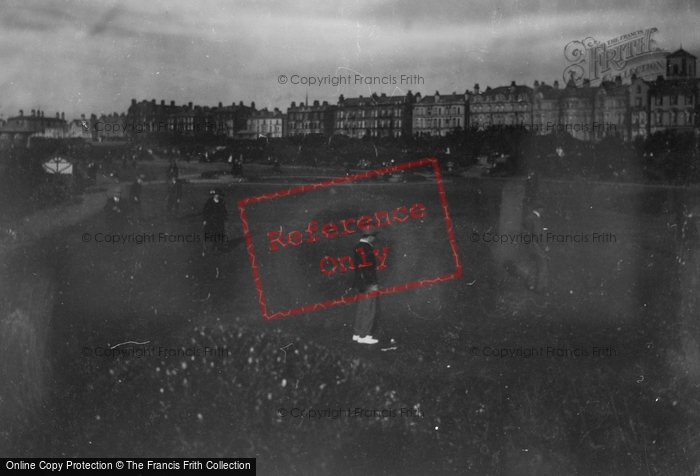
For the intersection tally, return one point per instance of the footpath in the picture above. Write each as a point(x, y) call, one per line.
point(51, 220)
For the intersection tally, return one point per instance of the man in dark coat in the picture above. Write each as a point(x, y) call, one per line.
point(367, 317)
point(537, 281)
point(215, 217)
point(135, 198)
point(116, 213)
point(174, 196)
point(92, 173)
point(531, 190)
point(173, 171)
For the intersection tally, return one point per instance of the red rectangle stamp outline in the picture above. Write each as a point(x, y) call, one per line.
point(347, 299)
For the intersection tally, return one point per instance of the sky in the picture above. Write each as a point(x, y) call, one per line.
point(85, 57)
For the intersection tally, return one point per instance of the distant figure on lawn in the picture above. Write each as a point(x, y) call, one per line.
point(173, 171)
point(538, 279)
point(531, 190)
point(135, 198)
point(215, 217)
point(92, 173)
point(172, 205)
point(116, 212)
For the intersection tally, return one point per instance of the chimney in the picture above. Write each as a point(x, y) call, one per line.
point(153, 101)
point(316, 103)
point(240, 103)
point(383, 95)
point(189, 106)
point(172, 103)
point(33, 113)
point(21, 113)
point(133, 102)
point(293, 104)
point(537, 84)
point(437, 94)
point(476, 88)
point(618, 80)
point(252, 105)
point(82, 116)
point(220, 105)
point(512, 84)
point(58, 116)
point(162, 102)
point(63, 116)
point(556, 84)
point(325, 103)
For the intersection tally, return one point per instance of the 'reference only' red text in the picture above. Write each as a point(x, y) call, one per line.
point(331, 230)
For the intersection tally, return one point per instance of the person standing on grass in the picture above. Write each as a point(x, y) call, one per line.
point(116, 212)
point(174, 196)
point(537, 251)
point(135, 198)
point(367, 317)
point(173, 171)
point(215, 217)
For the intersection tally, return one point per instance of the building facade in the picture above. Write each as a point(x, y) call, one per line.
point(438, 115)
point(18, 129)
point(317, 118)
point(270, 124)
point(501, 106)
point(375, 116)
point(110, 127)
point(673, 100)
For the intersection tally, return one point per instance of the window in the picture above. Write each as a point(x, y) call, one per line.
point(688, 99)
point(657, 100)
point(674, 100)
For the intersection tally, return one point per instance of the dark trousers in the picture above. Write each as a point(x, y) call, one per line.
point(367, 317)
point(540, 281)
